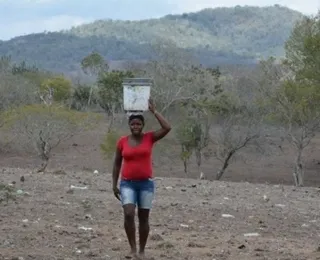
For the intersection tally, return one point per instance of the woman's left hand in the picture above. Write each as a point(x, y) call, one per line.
point(152, 106)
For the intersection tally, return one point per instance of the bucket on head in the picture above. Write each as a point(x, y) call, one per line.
point(136, 94)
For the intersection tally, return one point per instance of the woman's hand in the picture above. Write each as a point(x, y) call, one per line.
point(116, 193)
point(152, 106)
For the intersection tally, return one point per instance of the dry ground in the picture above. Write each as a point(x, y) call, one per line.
point(83, 153)
point(52, 220)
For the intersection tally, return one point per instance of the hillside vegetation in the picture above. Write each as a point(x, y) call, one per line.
point(221, 35)
point(216, 117)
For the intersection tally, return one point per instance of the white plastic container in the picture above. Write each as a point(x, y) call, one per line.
point(136, 94)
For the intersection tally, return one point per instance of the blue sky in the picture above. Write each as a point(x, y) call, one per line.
point(19, 17)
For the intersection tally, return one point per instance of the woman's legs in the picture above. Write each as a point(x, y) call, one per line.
point(144, 228)
point(129, 199)
point(140, 193)
point(129, 226)
point(144, 200)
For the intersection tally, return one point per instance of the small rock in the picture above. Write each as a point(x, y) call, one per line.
point(85, 228)
point(156, 237)
point(78, 188)
point(88, 216)
point(242, 247)
point(195, 245)
point(227, 216)
point(251, 235)
point(184, 225)
point(280, 205)
point(59, 172)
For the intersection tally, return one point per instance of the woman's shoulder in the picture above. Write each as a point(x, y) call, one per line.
point(121, 139)
point(149, 135)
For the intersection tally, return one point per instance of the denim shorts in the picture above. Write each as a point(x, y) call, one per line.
point(137, 192)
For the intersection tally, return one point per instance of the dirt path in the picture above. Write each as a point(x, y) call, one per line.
point(53, 221)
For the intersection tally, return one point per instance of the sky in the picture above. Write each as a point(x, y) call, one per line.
point(20, 17)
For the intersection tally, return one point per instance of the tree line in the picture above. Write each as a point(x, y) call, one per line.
point(219, 114)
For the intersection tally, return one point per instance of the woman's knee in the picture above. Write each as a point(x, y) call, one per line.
point(129, 212)
point(143, 215)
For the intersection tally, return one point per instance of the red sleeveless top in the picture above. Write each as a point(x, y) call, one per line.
point(136, 161)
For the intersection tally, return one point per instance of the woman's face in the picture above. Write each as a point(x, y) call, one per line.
point(136, 126)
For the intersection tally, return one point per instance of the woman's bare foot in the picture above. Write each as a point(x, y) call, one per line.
point(132, 255)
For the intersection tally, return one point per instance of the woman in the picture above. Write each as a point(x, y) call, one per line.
point(136, 185)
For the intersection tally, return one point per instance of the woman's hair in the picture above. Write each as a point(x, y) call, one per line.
point(141, 117)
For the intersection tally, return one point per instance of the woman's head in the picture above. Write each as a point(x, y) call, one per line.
point(136, 124)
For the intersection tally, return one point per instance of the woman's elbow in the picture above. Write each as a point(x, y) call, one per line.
point(167, 128)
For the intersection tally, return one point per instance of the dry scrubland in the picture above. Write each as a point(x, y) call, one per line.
point(191, 219)
point(53, 220)
point(83, 153)
point(69, 212)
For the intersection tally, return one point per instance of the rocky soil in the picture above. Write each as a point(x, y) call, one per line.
point(73, 215)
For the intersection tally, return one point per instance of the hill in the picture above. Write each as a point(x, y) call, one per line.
point(220, 35)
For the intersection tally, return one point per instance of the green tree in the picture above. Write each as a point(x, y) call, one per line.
point(110, 92)
point(56, 88)
point(93, 65)
point(303, 50)
point(293, 89)
point(22, 68)
point(81, 96)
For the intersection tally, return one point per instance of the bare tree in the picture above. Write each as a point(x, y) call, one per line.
point(15, 91)
point(45, 127)
point(198, 110)
point(170, 74)
point(232, 133)
point(294, 105)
